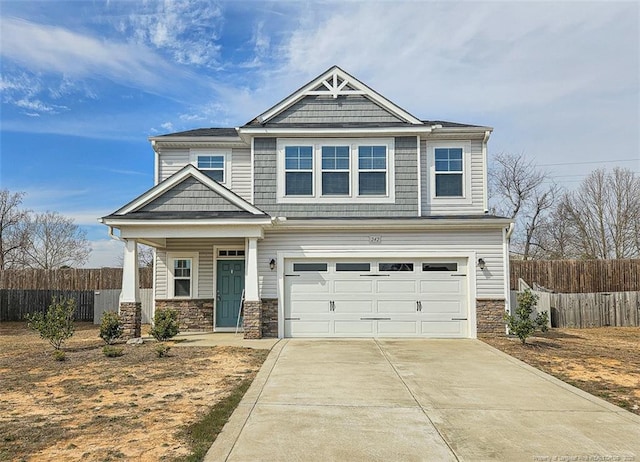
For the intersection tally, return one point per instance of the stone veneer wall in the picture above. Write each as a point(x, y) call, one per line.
point(252, 319)
point(131, 316)
point(194, 315)
point(270, 317)
point(489, 314)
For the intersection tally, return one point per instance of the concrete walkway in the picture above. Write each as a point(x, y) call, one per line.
point(417, 400)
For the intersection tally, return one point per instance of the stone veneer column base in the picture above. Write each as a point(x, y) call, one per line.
point(490, 316)
point(270, 317)
point(252, 319)
point(131, 316)
point(193, 315)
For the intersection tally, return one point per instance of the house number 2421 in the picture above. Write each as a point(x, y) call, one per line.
point(375, 239)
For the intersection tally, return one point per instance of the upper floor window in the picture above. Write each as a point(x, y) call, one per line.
point(372, 170)
point(298, 164)
point(212, 166)
point(336, 170)
point(215, 163)
point(449, 170)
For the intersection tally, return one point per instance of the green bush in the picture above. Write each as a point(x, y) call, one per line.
point(59, 355)
point(56, 325)
point(522, 325)
point(165, 324)
point(162, 350)
point(110, 327)
point(112, 352)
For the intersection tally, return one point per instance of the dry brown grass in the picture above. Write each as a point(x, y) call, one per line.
point(91, 407)
point(603, 361)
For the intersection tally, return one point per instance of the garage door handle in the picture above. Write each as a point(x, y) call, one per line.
point(292, 319)
point(458, 275)
point(458, 319)
point(332, 306)
point(375, 319)
point(419, 305)
point(376, 275)
point(292, 275)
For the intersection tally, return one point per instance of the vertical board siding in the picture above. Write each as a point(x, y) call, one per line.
point(15, 304)
point(488, 244)
point(406, 186)
point(572, 276)
point(206, 270)
point(327, 109)
point(429, 207)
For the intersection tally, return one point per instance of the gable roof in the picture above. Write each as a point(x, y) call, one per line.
point(170, 198)
point(333, 83)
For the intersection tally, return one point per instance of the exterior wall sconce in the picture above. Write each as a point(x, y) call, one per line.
point(481, 263)
point(272, 264)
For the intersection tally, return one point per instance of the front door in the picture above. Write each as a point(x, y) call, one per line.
point(229, 287)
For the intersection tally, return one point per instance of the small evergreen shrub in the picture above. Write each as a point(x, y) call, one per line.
point(112, 352)
point(56, 325)
point(111, 327)
point(523, 324)
point(162, 350)
point(165, 324)
point(59, 355)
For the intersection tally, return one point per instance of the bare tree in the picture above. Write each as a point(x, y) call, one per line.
point(603, 214)
point(54, 241)
point(522, 191)
point(145, 257)
point(12, 233)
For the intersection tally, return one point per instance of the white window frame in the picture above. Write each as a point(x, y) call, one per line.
point(312, 170)
point(466, 172)
point(323, 170)
point(225, 153)
point(171, 258)
point(353, 197)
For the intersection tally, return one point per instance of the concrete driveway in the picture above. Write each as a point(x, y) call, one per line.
point(417, 400)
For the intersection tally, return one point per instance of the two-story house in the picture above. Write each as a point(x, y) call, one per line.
point(335, 213)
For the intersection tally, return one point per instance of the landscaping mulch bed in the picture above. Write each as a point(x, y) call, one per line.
point(90, 407)
point(602, 361)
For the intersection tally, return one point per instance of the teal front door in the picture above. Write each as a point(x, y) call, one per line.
point(229, 287)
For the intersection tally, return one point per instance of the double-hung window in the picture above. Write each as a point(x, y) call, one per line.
point(449, 165)
point(335, 170)
point(212, 166)
point(182, 277)
point(298, 165)
point(372, 170)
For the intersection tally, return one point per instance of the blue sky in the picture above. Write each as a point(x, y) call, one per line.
point(85, 83)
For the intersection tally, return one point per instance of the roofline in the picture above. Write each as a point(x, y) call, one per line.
point(391, 223)
point(171, 138)
point(124, 221)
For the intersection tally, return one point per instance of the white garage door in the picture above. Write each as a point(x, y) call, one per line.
point(376, 298)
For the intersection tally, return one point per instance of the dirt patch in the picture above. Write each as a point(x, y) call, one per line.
point(91, 407)
point(602, 361)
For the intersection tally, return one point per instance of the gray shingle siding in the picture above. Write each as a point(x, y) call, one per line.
point(190, 195)
point(326, 109)
point(406, 185)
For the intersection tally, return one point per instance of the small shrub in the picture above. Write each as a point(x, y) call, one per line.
point(162, 350)
point(165, 325)
point(56, 325)
point(112, 352)
point(522, 325)
point(111, 327)
point(59, 355)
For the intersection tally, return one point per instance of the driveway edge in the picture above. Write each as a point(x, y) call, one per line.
point(575, 390)
point(226, 440)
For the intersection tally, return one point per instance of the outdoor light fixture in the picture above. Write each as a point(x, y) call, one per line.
point(481, 263)
point(272, 264)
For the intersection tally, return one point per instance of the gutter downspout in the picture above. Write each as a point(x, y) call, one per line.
point(507, 270)
point(485, 193)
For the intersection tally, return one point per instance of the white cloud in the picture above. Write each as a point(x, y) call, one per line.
point(167, 126)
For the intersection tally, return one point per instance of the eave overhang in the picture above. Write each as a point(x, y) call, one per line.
point(394, 223)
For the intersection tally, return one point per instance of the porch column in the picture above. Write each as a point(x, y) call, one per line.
point(252, 319)
point(130, 306)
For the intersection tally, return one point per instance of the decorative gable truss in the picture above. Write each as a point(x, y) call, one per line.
point(336, 83)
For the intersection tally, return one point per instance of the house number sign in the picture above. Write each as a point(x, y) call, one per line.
point(375, 239)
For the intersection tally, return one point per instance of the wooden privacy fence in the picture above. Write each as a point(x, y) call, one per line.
point(619, 309)
point(579, 276)
point(15, 304)
point(69, 279)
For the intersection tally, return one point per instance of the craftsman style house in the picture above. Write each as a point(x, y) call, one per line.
point(335, 213)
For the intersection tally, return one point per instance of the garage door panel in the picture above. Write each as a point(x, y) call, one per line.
point(353, 306)
point(395, 286)
point(308, 328)
point(309, 306)
point(354, 327)
point(449, 286)
point(443, 328)
point(442, 306)
point(359, 286)
point(398, 328)
point(397, 306)
point(305, 286)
